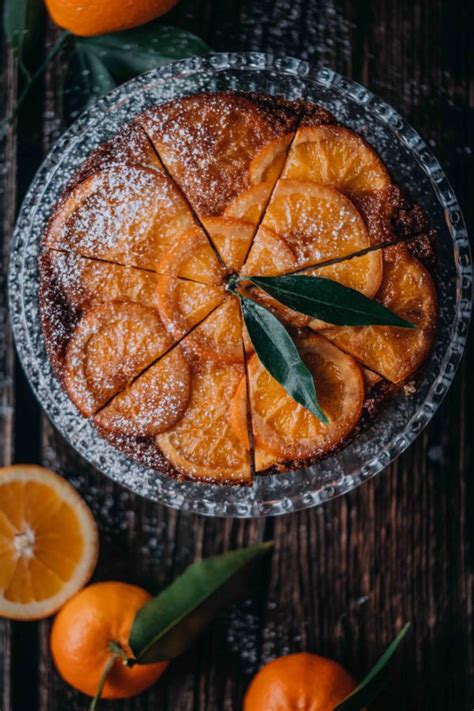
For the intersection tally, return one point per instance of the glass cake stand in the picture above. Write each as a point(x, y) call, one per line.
point(411, 163)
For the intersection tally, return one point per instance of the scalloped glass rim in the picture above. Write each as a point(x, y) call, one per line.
point(412, 164)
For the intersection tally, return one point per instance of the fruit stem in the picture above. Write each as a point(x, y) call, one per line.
point(117, 650)
point(103, 678)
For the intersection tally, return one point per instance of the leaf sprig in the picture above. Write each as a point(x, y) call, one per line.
point(314, 296)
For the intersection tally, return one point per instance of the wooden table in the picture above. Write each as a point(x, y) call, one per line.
point(344, 577)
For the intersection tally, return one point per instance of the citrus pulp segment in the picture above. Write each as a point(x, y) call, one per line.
point(219, 337)
point(408, 290)
point(48, 542)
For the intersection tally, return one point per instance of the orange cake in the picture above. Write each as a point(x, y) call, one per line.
point(143, 328)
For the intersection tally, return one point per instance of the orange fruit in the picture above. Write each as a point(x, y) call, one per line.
point(97, 617)
point(203, 444)
point(48, 542)
point(306, 682)
point(408, 290)
point(97, 17)
point(232, 238)
point(286, 429)
point(337, 157)
point(318, 222)
point(219, 337)
point(250, 204)
point(127, 214)
point(192, 257)
point(113, 342)
point(270, 255)
point(269, 162)
point(153, 402)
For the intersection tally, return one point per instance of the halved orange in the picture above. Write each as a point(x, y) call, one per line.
point(192, 257)
point(219, 337)
point(232, 238)
point(250, 204)
point(154, 402)
point(318, 222)
point(337, 157)
point(408, 290)
point(127, 214)
point(113, 342)
point(48, 542)
point(203, 445)
point(288, 430)
point(269, 162)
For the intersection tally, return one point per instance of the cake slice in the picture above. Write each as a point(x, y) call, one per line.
point(127, 214)
point(408, 290)
point(183, 432)
point(218, 146)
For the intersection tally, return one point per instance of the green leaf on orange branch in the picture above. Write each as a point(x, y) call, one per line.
point(132, 52)
point(278, 353)
point(375, 680)
point(328, 300)
point(170, 622)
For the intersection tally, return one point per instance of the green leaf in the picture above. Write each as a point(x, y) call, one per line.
point(94, 77)
point(375, 680)
point(169, 623)
point(127, 54)
point(279, 355)
point(328, 300)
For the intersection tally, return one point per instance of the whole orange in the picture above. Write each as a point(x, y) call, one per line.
point(302, 682)
point(95, 17)
point(81, 635)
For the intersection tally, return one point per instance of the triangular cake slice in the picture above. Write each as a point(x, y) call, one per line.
point(103, 322)
point(175, 416)
point(226, 152)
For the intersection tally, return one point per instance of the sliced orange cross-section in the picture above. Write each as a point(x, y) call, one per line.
point(219, 337)
point(408, 290)
point(287, 430)
point(127, 214)
point(319, 223)
point(113, 342)
point(153, 403)
point(203, 445)
point(337, 157)
point(270, 160)
point(48, 542)
point(250, 204)
point(232, 238)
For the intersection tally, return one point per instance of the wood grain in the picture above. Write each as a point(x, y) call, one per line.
point(343, 577)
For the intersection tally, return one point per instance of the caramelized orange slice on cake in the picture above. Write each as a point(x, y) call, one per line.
point(337, 157)
point(287, 430)
point(126, 214)
point(269, 162)
point(153, 402)
point(203, 444)
point(319, 223)
point(232, 238)
point(270, 255)
point(219, 337)
point(192, 257)
point(208, 143)
point(408, 290)
point(113, 342)
point(250, 204)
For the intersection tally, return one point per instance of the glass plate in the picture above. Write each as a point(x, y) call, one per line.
point(411, 163)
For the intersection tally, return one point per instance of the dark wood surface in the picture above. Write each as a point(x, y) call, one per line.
point(344, 577)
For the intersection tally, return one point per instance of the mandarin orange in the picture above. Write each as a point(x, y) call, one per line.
point(306, 682)
point(87, 632)
point(95, 17)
